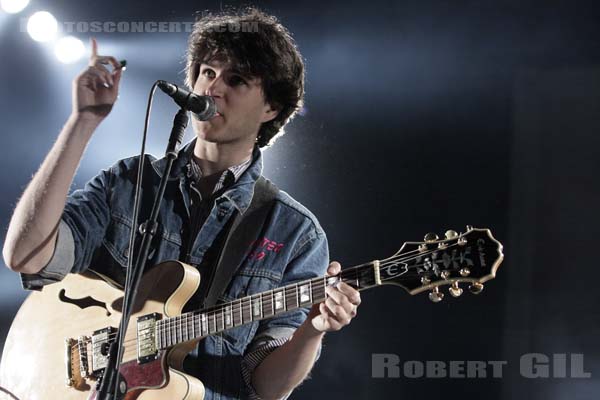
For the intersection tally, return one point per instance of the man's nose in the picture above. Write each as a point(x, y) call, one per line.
point(216, 87)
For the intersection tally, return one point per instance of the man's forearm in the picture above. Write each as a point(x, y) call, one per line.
point(285, 368)
point(31, 235)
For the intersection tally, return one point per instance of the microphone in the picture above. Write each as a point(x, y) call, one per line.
point(202, 107)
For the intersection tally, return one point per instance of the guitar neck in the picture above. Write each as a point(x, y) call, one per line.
point(197, 324)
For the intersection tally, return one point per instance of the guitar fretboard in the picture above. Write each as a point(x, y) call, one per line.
point(197, 324)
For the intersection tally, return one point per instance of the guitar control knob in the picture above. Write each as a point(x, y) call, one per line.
point(454, 290)
point(436, 296)
point(431, 237)
point(476, 288)
point(450, 234)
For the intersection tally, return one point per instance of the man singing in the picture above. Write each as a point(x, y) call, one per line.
point(256, 77)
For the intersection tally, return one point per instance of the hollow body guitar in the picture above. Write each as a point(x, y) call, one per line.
point(57, 344)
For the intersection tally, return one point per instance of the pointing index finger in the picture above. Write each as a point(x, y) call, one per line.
point(94, 47)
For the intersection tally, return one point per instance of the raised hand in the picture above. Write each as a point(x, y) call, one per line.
point(96, 89)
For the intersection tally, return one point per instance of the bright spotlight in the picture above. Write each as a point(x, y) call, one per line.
point(13, 6)
point(69, 49)
point(42, 26)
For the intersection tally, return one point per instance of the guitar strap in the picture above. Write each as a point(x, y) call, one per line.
point(244, 230)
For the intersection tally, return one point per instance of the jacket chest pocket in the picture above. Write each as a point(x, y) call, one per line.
point(166, 245)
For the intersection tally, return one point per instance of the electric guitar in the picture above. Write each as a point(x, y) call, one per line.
point(57, 344)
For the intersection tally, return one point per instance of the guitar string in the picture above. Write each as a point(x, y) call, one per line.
point(245, 307)
point(246, 304)
point(391, 261)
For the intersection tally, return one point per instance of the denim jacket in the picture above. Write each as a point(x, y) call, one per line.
point(94, 233)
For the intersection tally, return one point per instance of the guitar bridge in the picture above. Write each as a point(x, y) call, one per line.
point(146, 334)
point(76, 361)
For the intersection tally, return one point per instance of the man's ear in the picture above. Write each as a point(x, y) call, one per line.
point(269, 113)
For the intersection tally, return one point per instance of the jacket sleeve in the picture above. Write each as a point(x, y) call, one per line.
point(311, 261)
point(80, 231)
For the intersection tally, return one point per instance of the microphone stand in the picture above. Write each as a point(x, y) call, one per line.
point(111, 377)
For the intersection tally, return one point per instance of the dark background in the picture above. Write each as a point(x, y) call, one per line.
point(421, 116)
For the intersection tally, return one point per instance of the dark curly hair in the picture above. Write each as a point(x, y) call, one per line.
point(258, 46)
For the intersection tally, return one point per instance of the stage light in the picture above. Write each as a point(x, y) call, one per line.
point(69, 49)
point(13, 6)
point(42, 26)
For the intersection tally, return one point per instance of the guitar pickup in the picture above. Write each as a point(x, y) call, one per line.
point(101, 340)
point(146, 338)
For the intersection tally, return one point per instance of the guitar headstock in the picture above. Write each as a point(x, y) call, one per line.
point(471, 257)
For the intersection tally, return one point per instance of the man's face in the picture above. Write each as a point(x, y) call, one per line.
point(240, 103)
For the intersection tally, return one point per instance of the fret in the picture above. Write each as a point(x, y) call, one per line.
point(351, 275)
point(256, 307)
point(268, 304)
point(218, 319)
point(291, 297)
point(278, 300)
point(193, 333)
point(184, 325)
point(204, 323)
point(228, 316)
point(272, 298)
point(222, 315)
point(173, 328)
point(178, 329)
point(212, 322)
point(246, 310)
point(237, 316)
point(304, 294)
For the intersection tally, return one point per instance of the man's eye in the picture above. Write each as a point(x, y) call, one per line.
point(236, 80)
point(209, 73)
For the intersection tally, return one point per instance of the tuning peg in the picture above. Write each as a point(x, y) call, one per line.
point(465, 271)
point(425, 280)
point(462, 241)
point(450, 234)
point(431, 237)
point(469, 228)
point(436, 296)
point(445, 274)
point(476, 288)
point(454, 290)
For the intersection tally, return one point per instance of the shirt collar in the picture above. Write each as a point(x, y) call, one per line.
point(227, 178)
point(242, 191)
